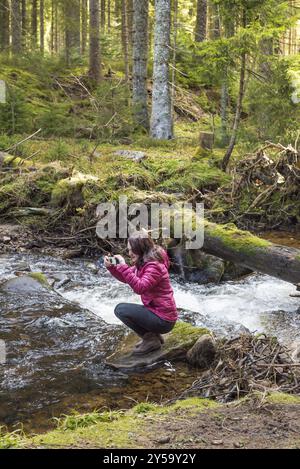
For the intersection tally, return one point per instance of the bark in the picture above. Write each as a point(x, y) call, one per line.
point(4, 25)
point(206, 140)
point(56, 30)
point(34, 25)
point(229, 32)
point(108, 15)
point(239, 105)
point(247, 250)
point(161, 118)
point(224, 113)
point(140, 59)
point(95, 58)
point(214, 21)
point(42, 27)
point(174, 58)
point(103, 14)
point(52, 28)
point(84, 25)
point(130, 22)
point(16, 26)
point(201, 21)
point(24, 23)
point(238, 113)
point(125, 40)
point(118, 9)
point(72, 28)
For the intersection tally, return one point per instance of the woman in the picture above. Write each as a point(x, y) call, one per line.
point(149, 277)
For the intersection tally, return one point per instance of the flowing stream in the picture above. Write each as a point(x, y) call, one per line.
point(57, 341)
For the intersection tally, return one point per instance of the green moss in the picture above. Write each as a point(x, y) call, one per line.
point(114, 434)
point(76, 420)
point(194, 404)
point(41, 278)
point(282, 398)
point(144, 408)
point(69, 191)
point(184, 333)
point(14, 192)
point(235, 239)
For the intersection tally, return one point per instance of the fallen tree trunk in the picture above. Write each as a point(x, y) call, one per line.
point(241, 247)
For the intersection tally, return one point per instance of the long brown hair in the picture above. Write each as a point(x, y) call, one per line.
point(143, 246)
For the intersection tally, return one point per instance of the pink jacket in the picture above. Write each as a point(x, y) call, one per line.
point(152, 282)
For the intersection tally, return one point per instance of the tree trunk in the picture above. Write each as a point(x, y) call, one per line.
point(224, 112)
point(95, 60)
point(42, 27)
point(161, 118)
point(237, 114)
point(239, 105)
point(125, 41)
point(214, 21)
point(72, 28)
point(103, 14)
point(201, 21)
point(4, 25)
point(130, 22)
point(52, 28)
point(254, 253)
point(34, 25)
point(108, 16)
point(140, 59)
point(174, 58)
point(228, 32)
point(84, 25)
point(118, 9)
point(24, 24)
point(16, 26)
point(56, 30)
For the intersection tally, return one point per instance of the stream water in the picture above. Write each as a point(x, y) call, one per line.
point(57, 341)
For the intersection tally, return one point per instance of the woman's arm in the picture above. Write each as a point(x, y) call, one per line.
point(117, 273)
point(151, 276)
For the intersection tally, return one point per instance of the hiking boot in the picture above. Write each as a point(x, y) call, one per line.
point(150, 343)
point(161, 338)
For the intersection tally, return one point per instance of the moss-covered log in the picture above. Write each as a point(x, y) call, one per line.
point(257, 254)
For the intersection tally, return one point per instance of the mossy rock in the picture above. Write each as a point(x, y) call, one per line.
point(7, 160)
point(32, 283)
point(69, 191)
point(177, 343)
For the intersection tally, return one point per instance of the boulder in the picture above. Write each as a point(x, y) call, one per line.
point(220, 327)
point(25, 284)
point(203, 352)
point(177, 343)
point(235, 272)
point(195, 265)
point(136, 156)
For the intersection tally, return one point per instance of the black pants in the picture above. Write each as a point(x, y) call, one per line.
point(141, 320)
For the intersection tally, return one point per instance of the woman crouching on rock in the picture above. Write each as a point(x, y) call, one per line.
point(149, 277)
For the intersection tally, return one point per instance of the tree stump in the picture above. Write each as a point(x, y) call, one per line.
point(206, 140)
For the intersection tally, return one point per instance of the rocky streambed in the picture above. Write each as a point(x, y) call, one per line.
point(56, 318)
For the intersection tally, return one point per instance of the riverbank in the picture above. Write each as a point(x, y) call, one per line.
point(258, 421)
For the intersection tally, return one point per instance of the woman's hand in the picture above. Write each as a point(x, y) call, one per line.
point(107, 263)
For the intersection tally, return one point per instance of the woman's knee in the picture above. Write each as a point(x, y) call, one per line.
point(120, 310)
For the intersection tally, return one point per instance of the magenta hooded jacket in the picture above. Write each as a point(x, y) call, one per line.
point(152, 282)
